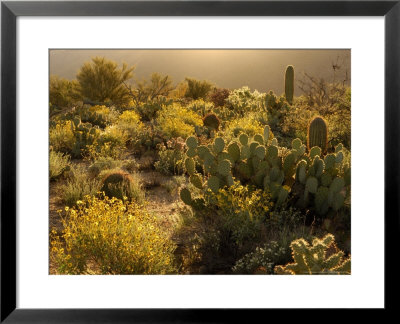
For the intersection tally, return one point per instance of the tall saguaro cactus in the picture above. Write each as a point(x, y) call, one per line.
point(317, 134)
point(289, 84)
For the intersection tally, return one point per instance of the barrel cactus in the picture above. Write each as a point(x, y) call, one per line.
point(118, 184)
point(317, 134)
point(211, 121)
point(289, 84)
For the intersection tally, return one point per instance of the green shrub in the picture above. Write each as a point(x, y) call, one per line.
point(200, 107)
point(197, 89)
point(101, 164)
point(242, 101)
point(109, 236)
point(176, 121)
point(171, 157)
point(262, 260)
point(58, 163)
point(61, 137)
point(79, 185)
point(148, 110)
point(110, 143)
point(218, 97)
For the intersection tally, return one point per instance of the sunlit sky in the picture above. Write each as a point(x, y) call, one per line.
point(259, 69)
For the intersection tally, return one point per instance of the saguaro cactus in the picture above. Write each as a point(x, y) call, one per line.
point(289, 84)
point(317, 134)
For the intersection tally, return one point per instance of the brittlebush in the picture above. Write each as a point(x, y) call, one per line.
point(111, 236)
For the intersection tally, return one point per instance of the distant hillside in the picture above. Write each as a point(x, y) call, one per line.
point(259, 69)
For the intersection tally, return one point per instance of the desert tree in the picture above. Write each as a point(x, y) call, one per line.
point(198, 89)
point(147, 90)
point(101, 81)
point(63, 93)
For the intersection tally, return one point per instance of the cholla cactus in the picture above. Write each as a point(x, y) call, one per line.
point(317, 258)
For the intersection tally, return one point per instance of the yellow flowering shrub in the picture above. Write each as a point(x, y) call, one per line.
point(176, 121)
point(111, 236)
point(130, 124)
point(111, 143)
point(61, 137)
point(248, 125)
point(239, 199)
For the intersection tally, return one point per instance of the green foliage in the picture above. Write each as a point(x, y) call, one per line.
point(332, 102)
point(176, 121)
point(108, 163)
point(61, 137)
point(242, 101)
point(58, 164)
point(262, 260)
point(322, 257)
point(149, 91)
point(197, 89)
point(78, 185)
point(218, 96)
point(200, 107)
point(84, 136)
point(171, 157)
point(63, 93)
point(289, 84)
point(148, 110)
point(318, 134)
point(110, 236)
point(101, 80)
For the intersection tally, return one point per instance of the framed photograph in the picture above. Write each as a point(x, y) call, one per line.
point(193, 160)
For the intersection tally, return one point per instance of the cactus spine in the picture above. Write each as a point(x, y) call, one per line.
point(317, 134)
point(289, 84)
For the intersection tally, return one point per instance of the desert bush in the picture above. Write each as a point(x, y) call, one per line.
point(176, 121)
point(79, 185)
point(337, 116)
point(218, 96)
point(111, 236)
point(120, 184)
point(242, 101)
point(97, 115)
point(58, 163)
point(101, 81)
point(61, 137)
point(148, 110)
point(110, 143)
point(171, 157)
point(262, 260)
point(200, 107)
point(227, 225)
point(129, 123)
point(103, 163)
point(248, 125)
point(63, 93)
point(197, 89)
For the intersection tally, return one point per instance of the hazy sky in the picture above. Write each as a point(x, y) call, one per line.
point(259, 69)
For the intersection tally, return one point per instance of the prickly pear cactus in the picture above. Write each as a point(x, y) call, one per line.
point(84, 135)
point(289, 84)
point(316, 258)
point(317, 134)
point(326, 181)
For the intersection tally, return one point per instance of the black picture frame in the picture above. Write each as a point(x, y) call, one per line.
point(10, 10)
